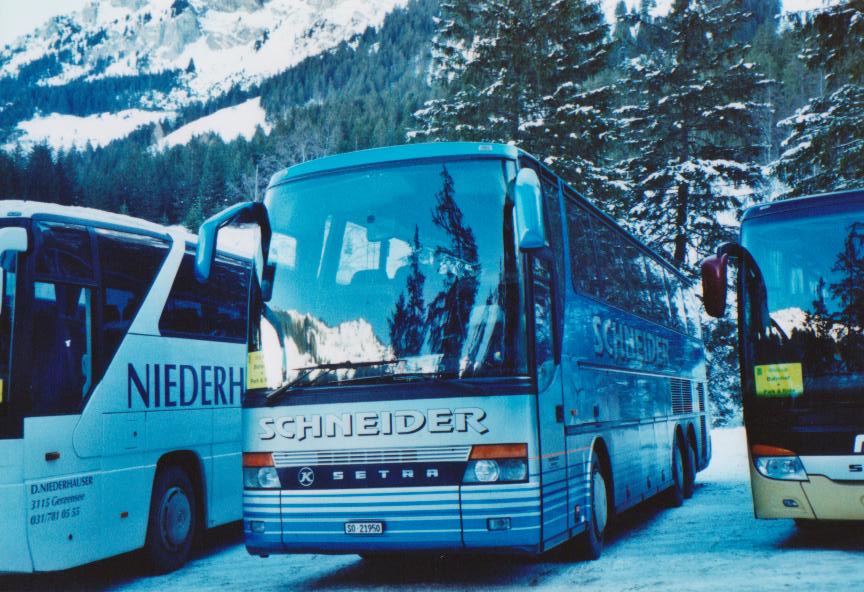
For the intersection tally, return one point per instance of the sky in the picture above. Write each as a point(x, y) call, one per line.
point(19, 17)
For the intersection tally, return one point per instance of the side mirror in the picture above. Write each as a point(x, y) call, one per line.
point(13, 239)
point(714, 285)
point(205, 253)
point(530, 227)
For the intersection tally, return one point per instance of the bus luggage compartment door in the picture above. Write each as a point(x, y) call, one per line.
point(62, 496)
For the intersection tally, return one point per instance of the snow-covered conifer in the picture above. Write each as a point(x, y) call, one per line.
point(825, 148)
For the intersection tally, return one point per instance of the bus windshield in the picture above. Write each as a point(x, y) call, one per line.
point(813, 271)
point(395, 272)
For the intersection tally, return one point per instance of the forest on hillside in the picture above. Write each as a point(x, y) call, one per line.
point(670, 123)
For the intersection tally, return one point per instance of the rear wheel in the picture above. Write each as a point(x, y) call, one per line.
point(598, 511)
point(675, 494)
point(172, 522)
point(689, 470)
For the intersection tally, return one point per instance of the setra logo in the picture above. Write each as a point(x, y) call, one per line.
point(858, 447)
point(306, 477)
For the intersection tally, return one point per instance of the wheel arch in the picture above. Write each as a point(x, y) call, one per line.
point(599, 447)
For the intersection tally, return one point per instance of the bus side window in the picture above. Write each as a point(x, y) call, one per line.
point(609, 249)
point(129, 264)
point(62, 347)
point(657, 292)
point(216, 310)
point(583, 270)
point(63, 251)
point(678, 318)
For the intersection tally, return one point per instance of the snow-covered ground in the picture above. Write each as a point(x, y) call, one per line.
point(229, 124)
point(711, 543)
point(63, 132)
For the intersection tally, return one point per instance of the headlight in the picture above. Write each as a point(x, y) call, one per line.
point(486, 471)
point(259, 472)
point(495, 463)
point(261, 478)
point(788, 468)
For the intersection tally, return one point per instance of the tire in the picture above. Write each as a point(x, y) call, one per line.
point(598, 511)
point(689, 470)
point(173, 520)
point(675, 494)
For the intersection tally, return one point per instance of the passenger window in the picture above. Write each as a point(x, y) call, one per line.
point(215, 310)
point(64, 252)
point(583, 270)
point(676, 302)
point(657, 290)
point(61, 348)
point(634, 276)
point(608, 247)
point(694, 325)
point(129, 264)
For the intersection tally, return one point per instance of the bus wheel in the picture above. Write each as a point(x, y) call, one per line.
point(598, 512)
point(679, 476)
point(689, 470)
point(172, 522)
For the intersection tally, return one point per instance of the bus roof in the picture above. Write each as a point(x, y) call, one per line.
point(88, 216)
point(801, 205)
point(395, 154)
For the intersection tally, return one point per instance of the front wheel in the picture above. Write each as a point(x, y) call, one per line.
point(172, 522)
point(598, 512)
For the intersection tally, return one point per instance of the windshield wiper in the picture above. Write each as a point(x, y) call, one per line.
point(441, 377)
point(304, 372)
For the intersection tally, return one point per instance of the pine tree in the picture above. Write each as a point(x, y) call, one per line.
point(825, 147)
point(579, 128)
point(692, 131)
point(522, 71)
point(408, 321)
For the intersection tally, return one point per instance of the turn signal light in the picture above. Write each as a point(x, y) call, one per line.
point(765, 450)
point(495, 451)
point(258, 459)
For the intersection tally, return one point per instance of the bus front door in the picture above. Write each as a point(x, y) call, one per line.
point(61, 488)
point(552, 452)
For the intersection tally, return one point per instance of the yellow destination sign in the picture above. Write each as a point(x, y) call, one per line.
point(256, 372)
point(779, 380)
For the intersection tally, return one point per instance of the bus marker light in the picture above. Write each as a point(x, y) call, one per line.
point(124, 515)
point(498, 523)
point(790, 503)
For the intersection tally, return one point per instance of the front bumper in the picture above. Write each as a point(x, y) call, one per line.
point(452, 518)
point(818, 498)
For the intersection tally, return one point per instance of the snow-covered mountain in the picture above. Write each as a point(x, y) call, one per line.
point(213, 45)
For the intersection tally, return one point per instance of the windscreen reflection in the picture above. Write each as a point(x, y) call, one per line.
point(395, 272)
point(813, 270)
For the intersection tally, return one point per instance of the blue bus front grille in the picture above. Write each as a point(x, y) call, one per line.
point(416, 518)
point(433, 518)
